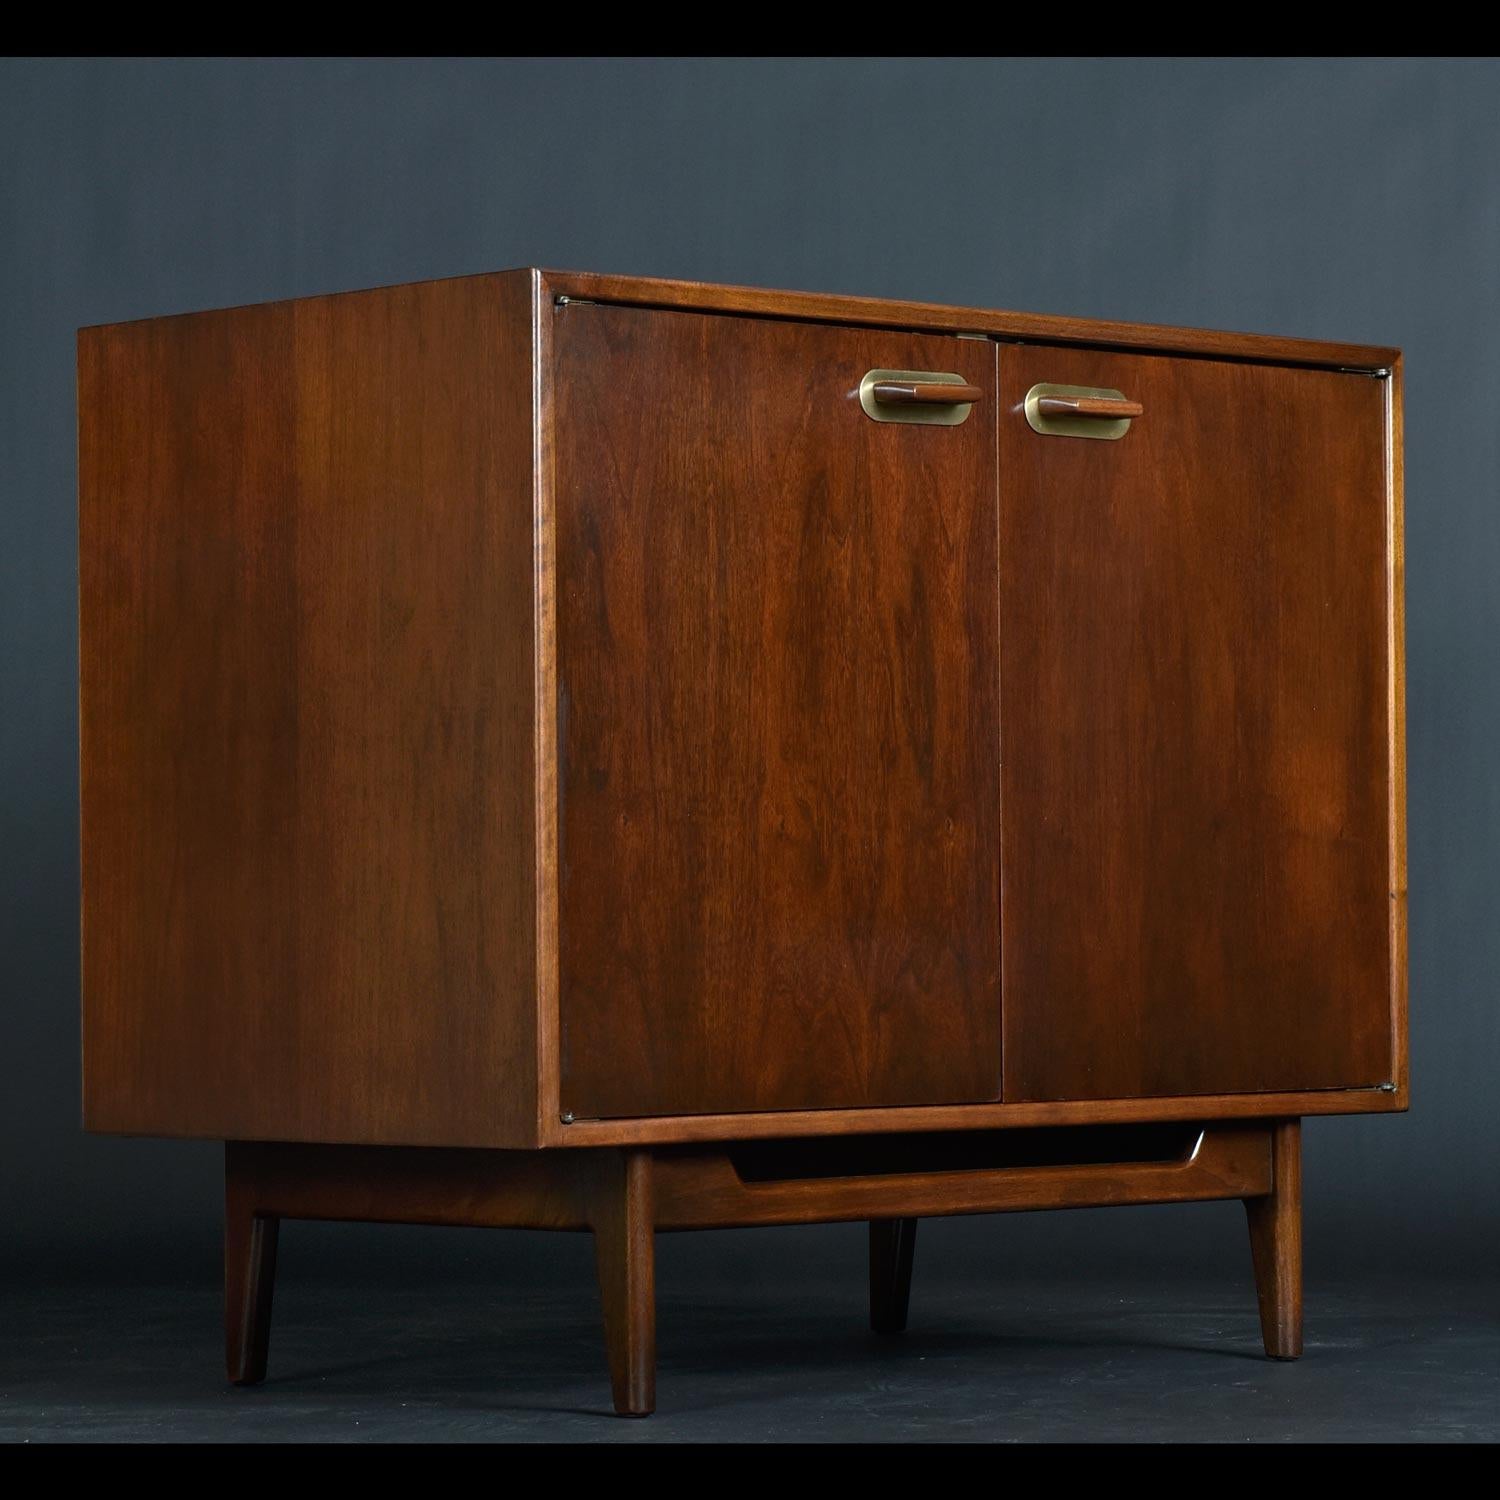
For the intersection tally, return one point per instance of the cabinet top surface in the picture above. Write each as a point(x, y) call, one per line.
point(1046, 328)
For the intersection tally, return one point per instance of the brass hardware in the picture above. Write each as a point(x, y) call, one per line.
point(1085, 414)
point(896, 404)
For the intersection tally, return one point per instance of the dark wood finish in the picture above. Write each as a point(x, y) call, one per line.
point(541, 710)
point(415, 1185)
point(607, 1192)
point(1110, 407)
point(910, 393)
point(893, 1243)
point(702, 1189)
point(777, 666)
point(681, 1129)
point(307, 724)
point(1276, 1245)
point(625, 1247)
point(249, 1283)
point(624, 1197)
point(1032, 328)
point(156, 1060)
point(1195, 734)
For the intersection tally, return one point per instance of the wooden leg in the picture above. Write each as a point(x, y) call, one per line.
point(249, 1280)
point(892, 1242)
point(625, 1245)
point(1276, 1244)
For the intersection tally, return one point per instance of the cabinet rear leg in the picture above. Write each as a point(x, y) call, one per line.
point(892, 1242)
point(249, 1278)
point(625, 1247)
point(1276, 1244)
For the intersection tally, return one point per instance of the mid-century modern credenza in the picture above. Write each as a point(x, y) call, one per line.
point(603, 754)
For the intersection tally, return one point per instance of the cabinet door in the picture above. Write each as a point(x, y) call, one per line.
point(777, 670)
point(1195, 732)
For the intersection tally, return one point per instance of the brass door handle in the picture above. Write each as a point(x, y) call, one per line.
point(932, 398)
point(911, 392)
point(1084, 411)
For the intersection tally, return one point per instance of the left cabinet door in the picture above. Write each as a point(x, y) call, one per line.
point(777, 676)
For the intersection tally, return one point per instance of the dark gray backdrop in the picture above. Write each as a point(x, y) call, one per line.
point(1354, 200)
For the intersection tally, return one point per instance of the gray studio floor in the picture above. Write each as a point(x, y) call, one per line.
point(1148, 1361)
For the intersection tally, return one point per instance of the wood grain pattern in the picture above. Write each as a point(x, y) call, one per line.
point(1039, 328)
point(1275, 1221)
point(910, 393)
point(308, 736)
point(700, 1188)
point(499, 710)
point(777, 667)
point(1195, 734)
point(278, 873)
point(1110, 407)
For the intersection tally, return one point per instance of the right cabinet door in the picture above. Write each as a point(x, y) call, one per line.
point(1196, 662)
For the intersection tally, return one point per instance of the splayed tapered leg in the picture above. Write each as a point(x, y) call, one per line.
point(1276, 1244)
point(625, 1246)
point(892, 1242)
point(249, 1279)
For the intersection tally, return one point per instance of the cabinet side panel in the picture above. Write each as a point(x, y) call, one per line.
point(307, 719)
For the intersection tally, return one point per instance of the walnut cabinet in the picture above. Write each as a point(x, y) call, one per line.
point(620, 755)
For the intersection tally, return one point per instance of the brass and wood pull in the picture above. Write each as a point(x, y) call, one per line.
point(1080, 411)
point(911, 392)
point(932, 397)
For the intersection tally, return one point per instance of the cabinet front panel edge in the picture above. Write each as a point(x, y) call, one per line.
point(544, 562)
point(731, 301)
point(922, 317)
point(873, 312)
point(1396, 682)
point(671, 1130)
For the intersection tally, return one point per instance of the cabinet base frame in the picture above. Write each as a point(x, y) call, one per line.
point(623, 1196)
